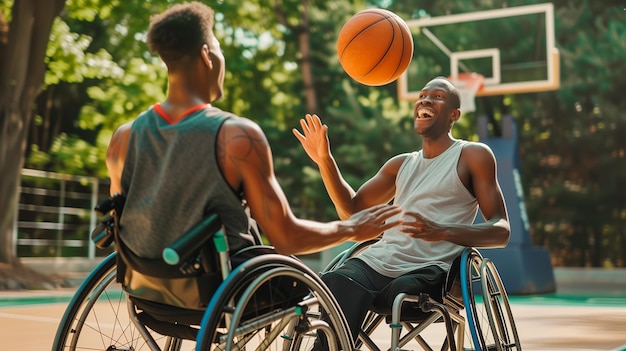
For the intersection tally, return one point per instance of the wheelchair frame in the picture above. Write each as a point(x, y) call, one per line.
point(474, 285)
point(269, 301)
point(241, 316)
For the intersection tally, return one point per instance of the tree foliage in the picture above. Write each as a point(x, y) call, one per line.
point(573, 145)
point(100, 74)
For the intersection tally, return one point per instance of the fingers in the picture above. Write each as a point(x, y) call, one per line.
point(392, 223)
point(305, 123)
point(412, 228)
point(384, 212)
point(416, 216)
point(309, 125)
point(413, 225)
point(298, 135)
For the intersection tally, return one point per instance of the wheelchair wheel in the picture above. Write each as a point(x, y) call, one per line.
point(98, 318)
point(489, 321)
point(498, 308)
point(272, 302)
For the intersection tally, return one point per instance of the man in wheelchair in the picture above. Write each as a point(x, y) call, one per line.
point(183, 158)
point(440, 188)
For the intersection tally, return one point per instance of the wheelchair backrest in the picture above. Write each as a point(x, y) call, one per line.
point(188, 283)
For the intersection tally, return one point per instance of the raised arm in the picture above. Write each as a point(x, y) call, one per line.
point(247, 160)
point(379, 189)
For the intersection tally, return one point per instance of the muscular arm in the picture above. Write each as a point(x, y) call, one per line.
point(495, 232)
point(379, 189)
point(115, 157)
point(477, 168)
point(247, 161)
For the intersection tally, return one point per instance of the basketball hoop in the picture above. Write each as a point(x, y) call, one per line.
point(468, 84)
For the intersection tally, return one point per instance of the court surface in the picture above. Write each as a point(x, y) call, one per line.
point(28, 321)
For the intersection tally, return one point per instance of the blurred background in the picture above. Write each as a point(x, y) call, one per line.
point(82, 69)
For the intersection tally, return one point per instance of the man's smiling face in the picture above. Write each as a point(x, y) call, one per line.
point(434, 110)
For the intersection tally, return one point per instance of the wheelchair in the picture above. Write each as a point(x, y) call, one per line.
point(473, 307)
point(264, 301)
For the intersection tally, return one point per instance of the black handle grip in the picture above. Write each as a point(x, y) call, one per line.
point(192, 240)
point(103, 236)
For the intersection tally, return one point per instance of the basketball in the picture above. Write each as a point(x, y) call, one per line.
point(375, 47)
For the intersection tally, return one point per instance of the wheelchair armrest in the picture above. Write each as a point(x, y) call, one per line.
point(191, 241)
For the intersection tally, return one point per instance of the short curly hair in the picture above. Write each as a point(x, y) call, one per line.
point(180, 31)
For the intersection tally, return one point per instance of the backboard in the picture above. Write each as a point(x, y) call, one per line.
point(513, 48)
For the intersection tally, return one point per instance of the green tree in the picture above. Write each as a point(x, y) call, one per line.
point(573, 143)
point(259, 48)
point(22, 72)
point(38, 51)
point(281, 64)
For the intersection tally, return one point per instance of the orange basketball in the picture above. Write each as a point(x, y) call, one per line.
point(375, 47)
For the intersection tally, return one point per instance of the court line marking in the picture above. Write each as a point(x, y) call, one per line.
point(29, 318)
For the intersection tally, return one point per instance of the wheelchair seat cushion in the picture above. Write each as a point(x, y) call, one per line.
point(168, 320)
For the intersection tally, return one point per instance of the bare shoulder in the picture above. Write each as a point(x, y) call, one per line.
point(477, 152)
point(119, 140)
point(116, 156)
point(477, 155)
point(392, 166)
point(123, 130)
point(239, 137)
point(238, 126)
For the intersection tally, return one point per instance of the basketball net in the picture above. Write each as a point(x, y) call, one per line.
point(468, 84)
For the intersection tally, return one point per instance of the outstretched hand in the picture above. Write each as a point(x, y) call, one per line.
point(314, 137)
point(422, 228)
point(371, 222)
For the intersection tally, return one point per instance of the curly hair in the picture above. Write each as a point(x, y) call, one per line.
point(180, 31)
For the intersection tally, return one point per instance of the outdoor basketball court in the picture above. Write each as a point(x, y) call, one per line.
point(28, 321)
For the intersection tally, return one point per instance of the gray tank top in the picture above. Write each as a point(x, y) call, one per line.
point(171, 180)
point(432, 188)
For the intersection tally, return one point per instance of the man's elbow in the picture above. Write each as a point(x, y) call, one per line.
point(285, 247)
point(505, 235)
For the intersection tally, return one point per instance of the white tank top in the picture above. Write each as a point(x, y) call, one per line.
point(432, 188)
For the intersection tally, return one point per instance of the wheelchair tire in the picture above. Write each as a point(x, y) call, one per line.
point(489, 321)
point(498, 308)
point(271, 302)
point(97, 317)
